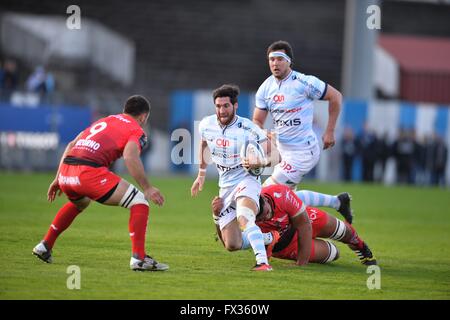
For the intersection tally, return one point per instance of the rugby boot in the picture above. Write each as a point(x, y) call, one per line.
point(148, 264)
point(365, 255)
point(42, 252)
point(262, 267)
point(345, 209)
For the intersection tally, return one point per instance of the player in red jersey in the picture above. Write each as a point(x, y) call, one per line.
point(83, 175)
point(279, 205)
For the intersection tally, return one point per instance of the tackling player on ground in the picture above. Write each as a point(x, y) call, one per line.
point(83, 175)
point(288, 96)
point(279, 207)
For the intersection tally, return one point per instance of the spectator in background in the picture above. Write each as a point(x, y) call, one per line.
point(382, 151)
point(366, 142)
point(1, 74)
point(425, 160)
point(36, 81)
point(440, 154)
point(428, 159)
point(8, 79)
point(41, 82)
point(349, 151)
point(404, 150)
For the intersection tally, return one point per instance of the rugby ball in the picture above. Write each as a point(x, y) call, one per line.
point(255, 153)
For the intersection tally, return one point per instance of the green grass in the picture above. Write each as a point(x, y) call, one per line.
point(408, 229)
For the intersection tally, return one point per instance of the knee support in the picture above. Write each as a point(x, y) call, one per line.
point(339, 232)
point(131, 197)
point(247, 213)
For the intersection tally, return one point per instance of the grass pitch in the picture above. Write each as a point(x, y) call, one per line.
point(407, 228)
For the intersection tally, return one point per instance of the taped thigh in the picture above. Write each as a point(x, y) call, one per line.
point(132, 197)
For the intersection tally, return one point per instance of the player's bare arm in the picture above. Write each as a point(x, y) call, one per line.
point(334, 97)
point(131, 156)
point(259, 117)
point(273, 155)
point(200, 180)
point(53, 189)
point(304, 230)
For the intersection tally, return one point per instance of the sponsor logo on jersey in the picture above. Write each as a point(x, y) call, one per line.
point(288, 168)
point(227, 169)
point(222, 142)
point(226, 211)
point(253, 132)
point(287, 123)
point(278, 98)
point(240, 189)
point(294, 110)
point(88, 143)
point(69, 180)
point(292, 199)
point(224, 155)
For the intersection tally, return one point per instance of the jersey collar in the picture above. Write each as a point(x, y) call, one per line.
point(279, 82)
point(128, 117)
point(236, 118)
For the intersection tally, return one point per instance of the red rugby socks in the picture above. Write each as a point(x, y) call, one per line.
point(355, 241)
point(61, 222)
point(137, 226)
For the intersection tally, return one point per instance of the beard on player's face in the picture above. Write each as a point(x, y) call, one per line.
point(226, 119)
point(225, 112)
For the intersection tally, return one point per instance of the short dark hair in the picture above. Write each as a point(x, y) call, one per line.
point(136, 105)
point(227, 90)
point(281, 45)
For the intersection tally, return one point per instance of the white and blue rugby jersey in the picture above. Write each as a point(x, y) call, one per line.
point(225, 145)
point(290, 103)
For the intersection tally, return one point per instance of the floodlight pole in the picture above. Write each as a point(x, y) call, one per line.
point(359, 50)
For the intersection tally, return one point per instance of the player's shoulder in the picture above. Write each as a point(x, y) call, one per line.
point(122, 120)
point(304, 79)
point(208, 121)
point(299, 77)
point(244, 121)
point(270, 80)
point(250, 127)
point(126, 123)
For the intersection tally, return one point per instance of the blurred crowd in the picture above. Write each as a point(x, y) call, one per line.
point(39, 82)
point(9, 78)
point(418, 161)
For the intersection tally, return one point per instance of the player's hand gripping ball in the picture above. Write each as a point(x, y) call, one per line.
point(253, 158)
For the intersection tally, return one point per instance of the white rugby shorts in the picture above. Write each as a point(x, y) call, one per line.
point(295, 164)
point(248, 187)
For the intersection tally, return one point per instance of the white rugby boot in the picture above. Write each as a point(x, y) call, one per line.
point(148, 264)
point(41, 251)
